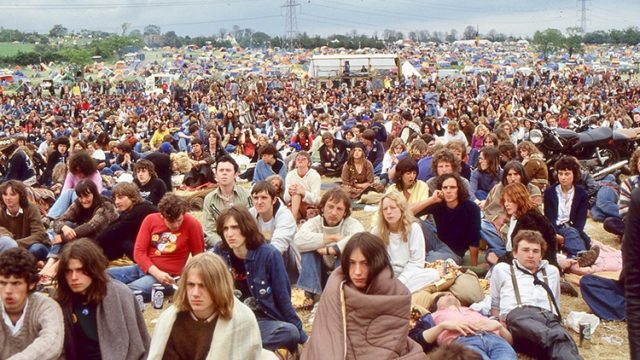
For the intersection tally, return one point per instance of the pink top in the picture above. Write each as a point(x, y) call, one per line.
point(459, 314)
point(72, 180)
point(477, 142)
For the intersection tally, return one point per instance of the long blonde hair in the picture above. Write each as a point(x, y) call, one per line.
point(217, 280)
point(407, 218)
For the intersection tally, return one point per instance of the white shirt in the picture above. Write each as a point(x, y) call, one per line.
point(512, 226)
point(14, 328)
point(503, 296)
point(564, 204)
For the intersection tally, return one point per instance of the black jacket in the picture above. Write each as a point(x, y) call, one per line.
point(124, 230)
point(19, 167)
point(162, 163)
point(534, 220)
point(152, 191)
point(630, 276)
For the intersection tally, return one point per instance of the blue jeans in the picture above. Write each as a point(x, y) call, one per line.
point(136, 279)
point(489, 346)
point(278, 334)
point(67, 196)
point(313, 272)
point(481, 194)
point(436, 249)
point(490, 234)
point(474, 154)
point(573, 242)
point(38, 250)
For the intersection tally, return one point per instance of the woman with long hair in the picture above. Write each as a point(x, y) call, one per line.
point(357, 173)
point(365, 289)
point(403, 237)
point(101, 317)
point(534, 164)
point(477, 142)
point(523, 215)
point(487, 175)
point(89, 214)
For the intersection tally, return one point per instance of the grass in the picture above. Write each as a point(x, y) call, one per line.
point(11, 49)
point(600, 349)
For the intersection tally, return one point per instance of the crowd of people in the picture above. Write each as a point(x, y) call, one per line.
point(93, 176)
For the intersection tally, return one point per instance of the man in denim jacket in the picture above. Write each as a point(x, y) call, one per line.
point(260, 279)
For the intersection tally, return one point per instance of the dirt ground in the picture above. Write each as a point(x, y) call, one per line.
point(601, 347)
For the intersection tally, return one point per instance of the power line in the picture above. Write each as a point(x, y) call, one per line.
point(291, 21)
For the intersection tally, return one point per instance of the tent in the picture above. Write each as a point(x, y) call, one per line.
point(408, 70)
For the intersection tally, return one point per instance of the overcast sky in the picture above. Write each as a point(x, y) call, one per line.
point(325, 17)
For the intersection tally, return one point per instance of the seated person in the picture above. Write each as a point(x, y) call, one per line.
point(487, 175)
point(391, 158)
point(459, 149)
point(89, 214)
point(302, 187)
point(357, 173)
point(101, 317)
point(151, 187)
point(374, 150)
point(18, 165)
point(201, 162)
point(494, 225)
point(119, 237)
point(523, 215)
point(163, 245)
point(260, 279)
point(615, 225)
point(445, 162)
point(365, 289)
point(81, 166)
point(206, 320)
point(325, 234)
point(277, 225)
point(333, 155)
point(566, 205)
point(227, 194)
point(165, 165)
point(415, 191)
point(20, 221)
point(269, 164)
point(450, 206)
point(606, 202)
point(403, 237)
point(450, 322)
point(525, 294)
point(32, 326)
point(124, 160)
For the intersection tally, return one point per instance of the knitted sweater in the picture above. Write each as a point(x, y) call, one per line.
point(310, 236)
point(41, 335)
point(102, 216)
point(122, 333)
point(26, 228)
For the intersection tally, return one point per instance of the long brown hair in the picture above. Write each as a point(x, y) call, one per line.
point(94, 265)
point(247, 224)
point(518, 193)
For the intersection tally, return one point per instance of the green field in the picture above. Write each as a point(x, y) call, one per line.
point(11, 49)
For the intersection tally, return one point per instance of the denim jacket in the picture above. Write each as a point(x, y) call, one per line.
point(269, 284)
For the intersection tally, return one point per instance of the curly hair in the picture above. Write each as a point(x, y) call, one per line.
point(144, 164)
point(463, 192)
point(21, 264)
point(171, 206)
point(82, 162)
point(406, 219)
point(445, 155)
point(182, 162)
point(568, 163)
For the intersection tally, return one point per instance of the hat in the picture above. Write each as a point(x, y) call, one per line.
point(5, 142)
point(166, 148)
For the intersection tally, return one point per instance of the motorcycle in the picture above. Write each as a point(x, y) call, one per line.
point(600, 150)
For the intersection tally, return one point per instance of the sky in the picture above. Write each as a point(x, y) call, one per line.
point(323, 17)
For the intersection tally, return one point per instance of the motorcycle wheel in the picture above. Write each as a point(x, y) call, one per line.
point(611, 155)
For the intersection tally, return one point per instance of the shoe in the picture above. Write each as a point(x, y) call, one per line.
point(589, 257)
point(567, 289)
